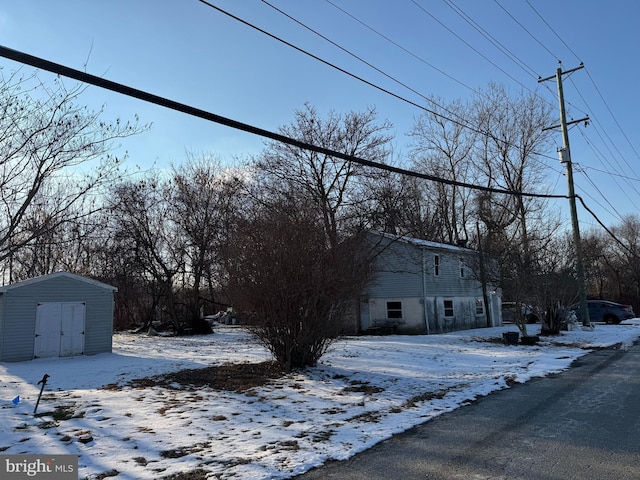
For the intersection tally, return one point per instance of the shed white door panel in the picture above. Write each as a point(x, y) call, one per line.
point(48, 323)
point(59, 329)
point(72, 329)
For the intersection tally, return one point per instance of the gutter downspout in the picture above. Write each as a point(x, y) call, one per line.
point(488, 312)
point(424, 290)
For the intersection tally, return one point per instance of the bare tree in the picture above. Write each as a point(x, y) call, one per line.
point(114, 260)
point(443, 147)
point(392, 203)
point(202, 200)
point(602, 264)
point(330, 184)
point(67, 247)
point(519, 229)
point(623, 259)
point(141, 223)
point(510, 156)
point(53, 154)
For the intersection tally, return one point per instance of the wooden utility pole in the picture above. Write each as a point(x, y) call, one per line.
point(565, 157)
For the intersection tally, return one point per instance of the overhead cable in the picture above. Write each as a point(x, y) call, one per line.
point(81, 76)
point(607, 164)
point(421, 59)
point(554, 32)
point(367, 82)
point(611, 234)
point(590, 78)
point(612, 116)
point(496, 43)
point(404, 49)
point(360, 59)
point(526, 30)
point(471, 46)
point(342, 70)
point(56, 68)
point(597, 189)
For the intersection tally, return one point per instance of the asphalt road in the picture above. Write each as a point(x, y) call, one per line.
point(582, 424)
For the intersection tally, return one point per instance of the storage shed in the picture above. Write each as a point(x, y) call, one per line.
point(56, 315)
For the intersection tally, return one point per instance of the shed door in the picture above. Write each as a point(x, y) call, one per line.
point(59, 329)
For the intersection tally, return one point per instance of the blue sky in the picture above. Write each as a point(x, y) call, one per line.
point(191, 53)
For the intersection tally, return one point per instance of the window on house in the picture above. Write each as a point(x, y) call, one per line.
point(394, 309)
point(448, 308)
point(461, 268)
point(436, 265)
point(479, 306)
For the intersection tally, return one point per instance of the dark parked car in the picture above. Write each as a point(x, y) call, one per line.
point(606, 311)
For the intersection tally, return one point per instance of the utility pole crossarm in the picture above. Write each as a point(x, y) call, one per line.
point(580, 120)
point(566, 72)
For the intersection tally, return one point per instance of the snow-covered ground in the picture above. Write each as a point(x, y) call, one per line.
point(365, 390)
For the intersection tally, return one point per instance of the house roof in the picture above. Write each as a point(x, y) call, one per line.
point(425, 243)
point(50, 276)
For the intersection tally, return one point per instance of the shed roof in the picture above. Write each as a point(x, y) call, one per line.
point(50, 276)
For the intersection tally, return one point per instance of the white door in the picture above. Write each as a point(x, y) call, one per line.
point(48, 322)
point(72, 329)
point(59, 329)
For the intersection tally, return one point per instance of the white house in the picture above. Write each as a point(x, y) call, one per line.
point(422, 287)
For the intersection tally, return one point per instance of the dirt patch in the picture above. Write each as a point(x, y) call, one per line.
point(425, 397)
point(238, 377)
point(362, 387)
point(198, 474)
point(496, 340)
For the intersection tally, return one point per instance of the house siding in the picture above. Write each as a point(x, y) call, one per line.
point(396, 272)
point(405, 271)
point(19, 306)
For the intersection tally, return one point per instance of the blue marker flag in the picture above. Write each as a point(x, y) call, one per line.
point(16, 400)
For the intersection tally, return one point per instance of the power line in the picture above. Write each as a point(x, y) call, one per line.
point(367, 82)
point(632, 179)
point(594, 85)
point(404, 49)
point(421, 59)
point(348, 52)
point(597, 189)
point(78, 75)
point(590, 78)
point(342, 70)
point(59, 69)
point(554, 32)
point(596, 122)
point(611, 142)
point(612, 116)
point(513, 57)
point(611, 234)
point(378, 87)
point(526, 30)
point(470, 46)
point(606, 163)
point(496, 43)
